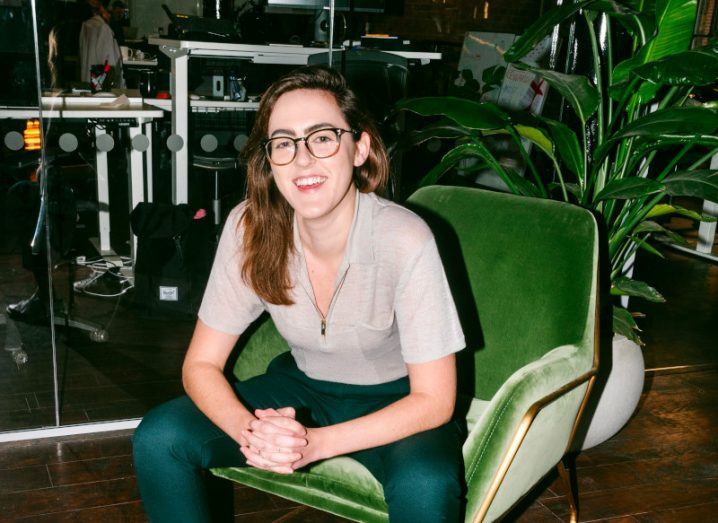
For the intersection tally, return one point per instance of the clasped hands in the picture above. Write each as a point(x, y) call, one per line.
point(277, 442)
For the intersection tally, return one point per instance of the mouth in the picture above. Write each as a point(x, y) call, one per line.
point(306, 183)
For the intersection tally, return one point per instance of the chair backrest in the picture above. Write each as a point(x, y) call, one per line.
point(522, 272)
point(378, 78)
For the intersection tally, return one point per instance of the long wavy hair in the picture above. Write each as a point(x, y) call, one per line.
point(268, 239)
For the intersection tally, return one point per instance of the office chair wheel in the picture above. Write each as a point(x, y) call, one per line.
point(19, 356)
point(99, 336)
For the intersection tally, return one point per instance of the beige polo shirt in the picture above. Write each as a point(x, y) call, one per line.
point(391, 306)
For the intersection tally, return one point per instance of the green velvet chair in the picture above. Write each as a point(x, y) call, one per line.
point(524, 276)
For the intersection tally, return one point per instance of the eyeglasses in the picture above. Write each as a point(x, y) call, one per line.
point(321, 143)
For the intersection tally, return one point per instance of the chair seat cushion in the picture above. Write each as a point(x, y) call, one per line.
point(339, 485)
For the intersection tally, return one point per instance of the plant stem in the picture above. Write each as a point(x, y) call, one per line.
point(622, 103)
point(703, 159)
point(560, 177)
point(638, 218)
point(598, 76)
point(677, 158)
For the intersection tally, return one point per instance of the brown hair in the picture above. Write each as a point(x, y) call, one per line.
point(267, 220)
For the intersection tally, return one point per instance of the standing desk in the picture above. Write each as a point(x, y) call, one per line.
point(94, 108)
point(179, 52)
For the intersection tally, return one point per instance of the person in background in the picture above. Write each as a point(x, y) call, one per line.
point(117, 21)
point(98, 45)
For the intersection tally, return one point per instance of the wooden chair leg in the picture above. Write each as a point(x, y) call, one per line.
point(568, 477)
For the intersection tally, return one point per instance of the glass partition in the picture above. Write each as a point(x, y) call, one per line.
point(120, 162)
point(27, 378)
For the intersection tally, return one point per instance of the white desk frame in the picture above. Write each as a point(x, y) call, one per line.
point(83, 108)
point(706, 230)
point(179, 52)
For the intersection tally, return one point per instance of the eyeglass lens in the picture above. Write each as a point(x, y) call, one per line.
point(321, 144)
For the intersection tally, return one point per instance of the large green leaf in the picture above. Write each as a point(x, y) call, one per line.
point(541, 28)
point(566, 144)
point(468, 113)
point(639, 23)
point(537, 136)
point(464, 151)
point(445, 129)
point(623, 323)
point(701, 184)
point(675, 20)
point(663, 209)
point(699, 67)
point(671, 125)
point(576, 89)
point(449, 160)
point(626, 188)
point(623, 286)
point(646, 246)
point(652, 227)
point(523, 186)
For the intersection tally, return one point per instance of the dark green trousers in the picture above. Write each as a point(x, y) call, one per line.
point(422, 475)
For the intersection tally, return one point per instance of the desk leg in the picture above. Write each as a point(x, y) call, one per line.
point(148, 162)
point(180, 125)
point(137, 180)
point(103, 196)
point(707, 230)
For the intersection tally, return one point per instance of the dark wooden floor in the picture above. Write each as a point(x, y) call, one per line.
point(662, 467)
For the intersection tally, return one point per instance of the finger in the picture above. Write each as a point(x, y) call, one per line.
point(265, 412)
point(287, 411)
point(266, 426)
point(269, 443)
point(285, 423)
point(263, 460)
point(279, 439)
point(278, 470)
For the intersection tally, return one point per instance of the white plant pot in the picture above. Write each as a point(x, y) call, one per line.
point(619, 397)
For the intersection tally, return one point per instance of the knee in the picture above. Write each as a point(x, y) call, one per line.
point(161, 431)
point(424, 490)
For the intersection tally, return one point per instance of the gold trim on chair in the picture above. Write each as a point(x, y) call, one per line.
point(531, 414)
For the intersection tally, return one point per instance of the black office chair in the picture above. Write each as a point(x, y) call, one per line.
point(59, 204)
point(378, 78)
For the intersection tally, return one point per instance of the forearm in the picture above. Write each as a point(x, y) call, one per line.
point(214, 396)
point(414, 413)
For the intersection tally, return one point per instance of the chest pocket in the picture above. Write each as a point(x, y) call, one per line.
point(363, 314)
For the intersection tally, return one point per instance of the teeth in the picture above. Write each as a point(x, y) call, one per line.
point(311, 180)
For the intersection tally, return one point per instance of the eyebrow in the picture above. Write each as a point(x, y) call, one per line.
point(311, 128)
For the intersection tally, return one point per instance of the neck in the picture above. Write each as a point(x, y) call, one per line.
point(326, 237)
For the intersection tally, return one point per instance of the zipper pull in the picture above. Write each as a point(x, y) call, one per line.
point(324, 327)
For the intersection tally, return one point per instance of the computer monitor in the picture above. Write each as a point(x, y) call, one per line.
point(358, 6)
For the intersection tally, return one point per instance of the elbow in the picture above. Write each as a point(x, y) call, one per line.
point(443, 412)
point(446, 413)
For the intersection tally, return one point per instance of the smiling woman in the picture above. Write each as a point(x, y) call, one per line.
point(355, 285)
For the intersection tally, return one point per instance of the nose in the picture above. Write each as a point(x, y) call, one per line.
point(303, 156)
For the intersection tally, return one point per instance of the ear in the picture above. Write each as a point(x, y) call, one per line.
point(361, 149)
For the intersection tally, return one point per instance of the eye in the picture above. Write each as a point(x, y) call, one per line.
point(324, 136)
point(281, 143)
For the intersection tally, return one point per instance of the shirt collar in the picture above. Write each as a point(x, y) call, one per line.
point(359, 247)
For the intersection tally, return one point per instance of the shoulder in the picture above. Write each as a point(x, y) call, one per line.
point(232, 234)
point(398, 232)
point(235, 215)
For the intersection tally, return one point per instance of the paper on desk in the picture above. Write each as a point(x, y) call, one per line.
point(121, 102)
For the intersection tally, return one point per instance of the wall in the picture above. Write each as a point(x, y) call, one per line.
point(448, 20)
point(148, 16)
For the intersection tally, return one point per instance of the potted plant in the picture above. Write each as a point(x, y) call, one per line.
point(638, 138)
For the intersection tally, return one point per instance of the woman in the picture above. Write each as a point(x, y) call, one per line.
point(355, 285)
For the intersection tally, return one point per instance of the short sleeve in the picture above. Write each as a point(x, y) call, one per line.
point(229, 305)
point(426, 315)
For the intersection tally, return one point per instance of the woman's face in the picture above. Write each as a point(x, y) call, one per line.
point(315, 187)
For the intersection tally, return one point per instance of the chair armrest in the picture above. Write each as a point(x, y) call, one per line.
point(557, 381)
